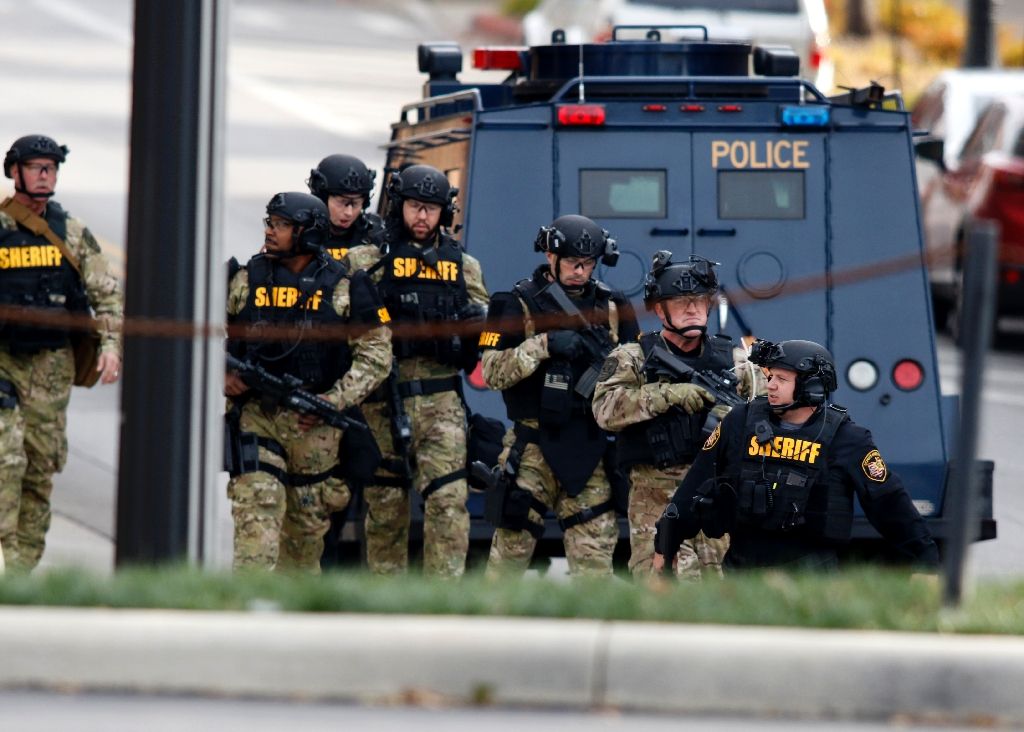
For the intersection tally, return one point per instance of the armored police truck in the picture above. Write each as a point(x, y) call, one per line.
point(808, 202)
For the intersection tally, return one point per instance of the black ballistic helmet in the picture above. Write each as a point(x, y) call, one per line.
point(670, 279)
point(306, 211)
point(34, 146)
point(577, 236)
point(423, 183)
point(814, 366)
point(341, 174)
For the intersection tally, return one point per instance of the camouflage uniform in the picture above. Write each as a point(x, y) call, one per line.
point(279, 526)
point(623, 398)
point(33, 440)
point(438, 448)
point(510, 359)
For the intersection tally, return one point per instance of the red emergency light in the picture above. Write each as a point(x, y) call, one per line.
point(581, 115)
point(508, 58)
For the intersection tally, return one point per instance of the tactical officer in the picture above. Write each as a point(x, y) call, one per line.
point(284, 480)
point(428, 281)
point(779, 475)
point(646, 393)
point(545, 365)
point(345, 184)
point(49, 261)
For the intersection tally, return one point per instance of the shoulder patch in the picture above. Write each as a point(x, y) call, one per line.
point(874, 467)
point(608, 368)
point(713, 437)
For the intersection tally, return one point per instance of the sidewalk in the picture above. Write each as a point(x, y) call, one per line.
point(538, 663)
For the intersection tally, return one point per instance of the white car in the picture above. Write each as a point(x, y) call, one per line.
point(800, 24)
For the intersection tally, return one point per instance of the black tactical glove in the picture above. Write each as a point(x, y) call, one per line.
point(567, 344)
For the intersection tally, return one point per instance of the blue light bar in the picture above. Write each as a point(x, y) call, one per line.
point(806, 116)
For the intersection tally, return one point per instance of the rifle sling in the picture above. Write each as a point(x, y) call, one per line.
point(38, 226)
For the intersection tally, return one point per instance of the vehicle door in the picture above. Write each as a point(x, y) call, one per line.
point(637, 185)
point(759, 209)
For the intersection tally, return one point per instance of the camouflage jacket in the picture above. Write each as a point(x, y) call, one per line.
point(623, 396)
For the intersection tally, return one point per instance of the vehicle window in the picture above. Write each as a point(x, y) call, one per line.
point(757, 6)
point(760, 194)
point(622, 194)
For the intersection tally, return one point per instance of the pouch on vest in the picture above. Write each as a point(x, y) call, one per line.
point(556, 395)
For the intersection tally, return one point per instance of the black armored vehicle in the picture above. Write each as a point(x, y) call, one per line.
point(808, 202)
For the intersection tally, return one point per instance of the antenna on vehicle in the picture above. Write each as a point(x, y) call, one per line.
point(583, 94)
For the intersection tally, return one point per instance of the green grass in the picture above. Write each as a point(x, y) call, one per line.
point(866, 598)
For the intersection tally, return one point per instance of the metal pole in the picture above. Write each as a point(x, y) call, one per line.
point(978, 51)
point(976, 326)
point(171, 241)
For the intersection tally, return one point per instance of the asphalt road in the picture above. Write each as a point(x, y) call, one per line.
point(306, 78)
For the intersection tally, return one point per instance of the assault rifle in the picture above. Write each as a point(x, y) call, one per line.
point(287, 391)
point(721, 384)
point(598, 342)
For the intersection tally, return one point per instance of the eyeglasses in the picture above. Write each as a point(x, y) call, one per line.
point(277, 224)
point(692, 301)
point(37, 168)
point(347, 202)
point(421, 208)
point(583, 265)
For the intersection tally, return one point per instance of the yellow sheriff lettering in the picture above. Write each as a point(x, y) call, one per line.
point(410, 267)
point(786, 448)
point(285, 297)
point(337, 252)
point(31, 256)
point(760, 154)
point(489, 340)
point(384, 315)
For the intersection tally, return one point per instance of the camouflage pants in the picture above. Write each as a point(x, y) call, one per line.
point(588, 546)
point(650, 491)
point(277, 526)
point(33, 446)
point(438, 448)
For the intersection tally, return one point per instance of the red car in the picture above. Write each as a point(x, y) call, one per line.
point(986, 182)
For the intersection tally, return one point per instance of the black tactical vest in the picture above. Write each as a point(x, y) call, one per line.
point(417, 293)
point(34, 273)
point(367, 229)
point(279, 297)
point(784, 484)
point(675, 437)
point(571, 441)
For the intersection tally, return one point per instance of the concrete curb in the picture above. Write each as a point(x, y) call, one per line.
point(568, 663)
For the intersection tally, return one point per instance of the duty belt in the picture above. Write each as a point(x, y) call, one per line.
point(418, 387)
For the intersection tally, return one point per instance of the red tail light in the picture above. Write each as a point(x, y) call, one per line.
point(655, 108)
point(1011, 276)
point(508, 58)
point(907, 374)
point(1008, 180)
point(730, 108)
point(581, 115)
point(815, 56)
